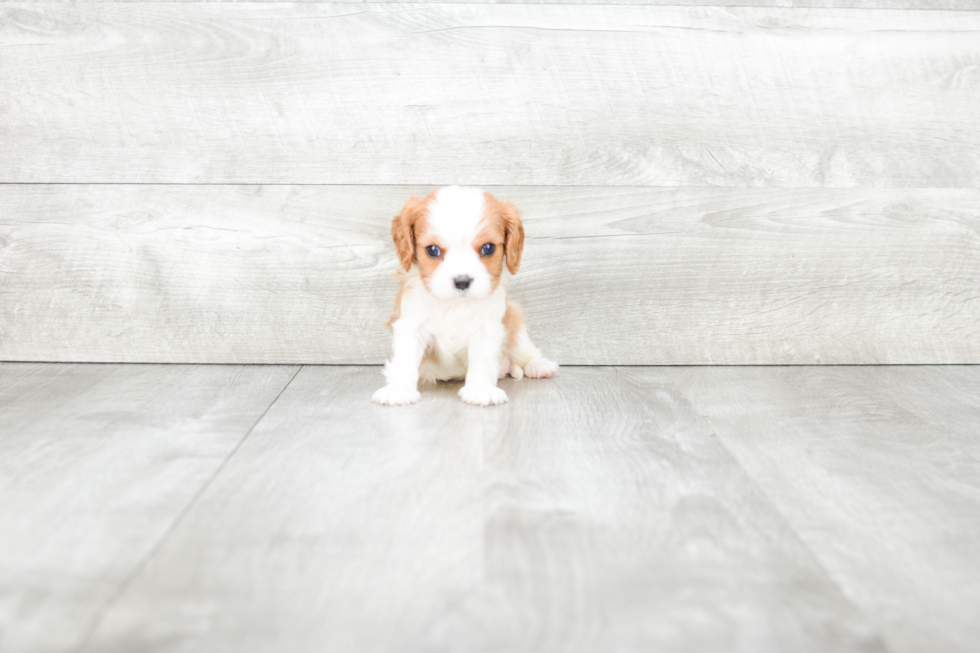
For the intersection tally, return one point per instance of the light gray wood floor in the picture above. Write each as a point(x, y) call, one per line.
point(261, 508)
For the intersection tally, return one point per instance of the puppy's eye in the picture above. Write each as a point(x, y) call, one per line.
point(433, 251)
point(488, 249)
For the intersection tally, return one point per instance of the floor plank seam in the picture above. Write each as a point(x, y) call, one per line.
point(145, 561)
point(886, 646)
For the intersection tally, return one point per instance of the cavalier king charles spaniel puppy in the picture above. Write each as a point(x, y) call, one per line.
point(452, 318)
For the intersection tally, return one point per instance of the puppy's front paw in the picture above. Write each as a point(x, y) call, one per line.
point(394, 395)
point(488, 395)
point(540, 368)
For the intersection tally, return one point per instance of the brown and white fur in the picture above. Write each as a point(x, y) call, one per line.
point(452, 318)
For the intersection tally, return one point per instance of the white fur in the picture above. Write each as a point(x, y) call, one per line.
point(462, 330)
point(455, 215)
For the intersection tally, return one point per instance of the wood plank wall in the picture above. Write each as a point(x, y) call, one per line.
point(213, 182)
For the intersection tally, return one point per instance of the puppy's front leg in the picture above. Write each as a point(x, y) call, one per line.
point(402, 371)
point(482, 368)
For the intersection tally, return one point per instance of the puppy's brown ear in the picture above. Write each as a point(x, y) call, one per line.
point(513, 236)
point(403, 230)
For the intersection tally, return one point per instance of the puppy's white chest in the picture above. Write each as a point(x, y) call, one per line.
point(452, 328)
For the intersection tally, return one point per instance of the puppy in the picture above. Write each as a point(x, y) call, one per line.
point(452, 318)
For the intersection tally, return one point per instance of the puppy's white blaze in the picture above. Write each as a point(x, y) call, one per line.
point(456, 214)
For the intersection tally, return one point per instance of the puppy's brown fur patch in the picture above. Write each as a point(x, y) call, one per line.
point(423, 238)
point(513, 322)
point(508, 219)
point(493, 231)
point(396, 310)
point(405, 226)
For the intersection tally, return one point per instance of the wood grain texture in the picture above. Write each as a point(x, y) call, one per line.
point(878, 471)
point(595, 512)
point(302, 274)
point(488, 94)
point(96, 464)
point(944, 5)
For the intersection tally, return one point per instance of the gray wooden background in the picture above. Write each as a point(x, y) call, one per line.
point(188, 182)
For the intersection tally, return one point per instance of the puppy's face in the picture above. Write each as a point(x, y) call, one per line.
point(460, 239)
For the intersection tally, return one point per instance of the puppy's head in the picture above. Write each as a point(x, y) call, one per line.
point(460, 239)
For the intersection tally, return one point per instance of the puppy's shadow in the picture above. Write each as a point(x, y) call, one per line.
point(439, 403)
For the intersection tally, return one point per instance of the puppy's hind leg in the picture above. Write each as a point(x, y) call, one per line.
point(525, 358)
point(504, 366)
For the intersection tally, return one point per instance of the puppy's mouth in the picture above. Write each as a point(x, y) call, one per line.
point(468, 295)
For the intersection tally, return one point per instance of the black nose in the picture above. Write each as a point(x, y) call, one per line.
point(462, 282)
